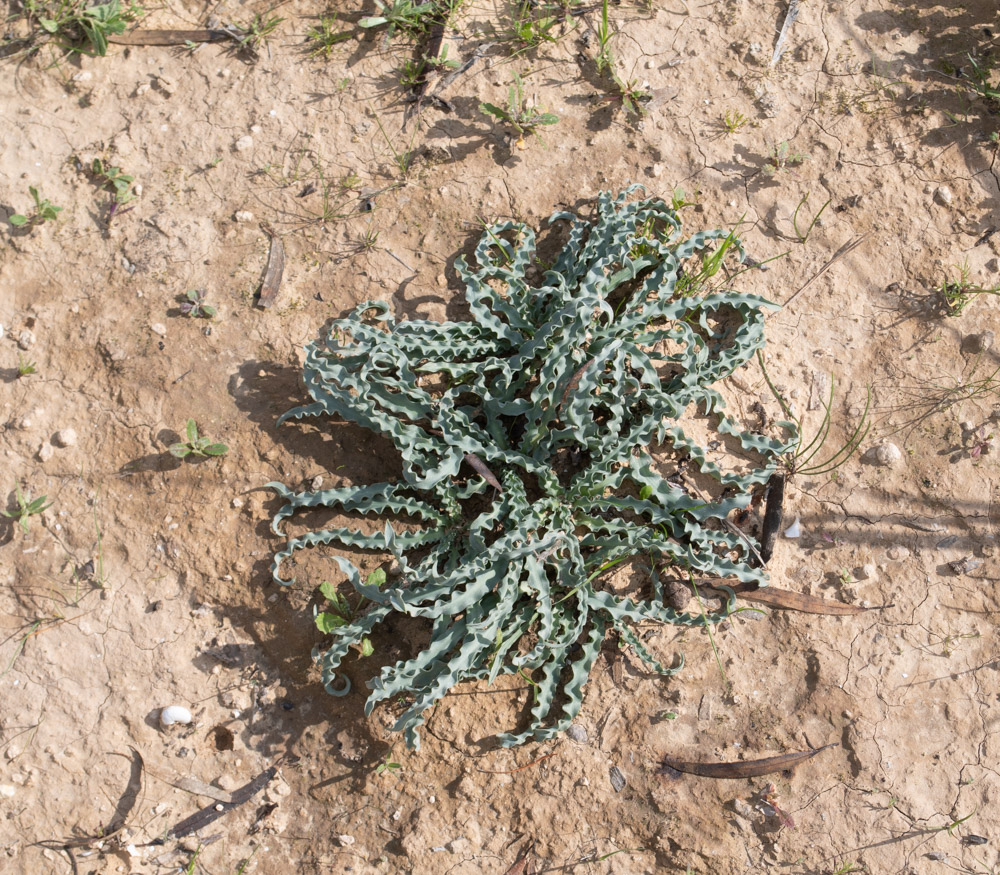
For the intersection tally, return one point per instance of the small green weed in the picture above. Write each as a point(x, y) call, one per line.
point(197, 446)
point(979, 80)
point(341, 613)
point(258, 32)
point(799, 460)
point(957, 294)
point(522, 115)
point(530, 29)
point(25, 366)
point(732, 121)
point(781, 157)
point(678, 199)
point(633, 97)
point(26, 507)
point(82, 28)
point(325, 36)
point(845, 868)
point(404, 15)
point(45, 211)
point(194, 305)
point(604, 61)
point(120, 183)
point(815, 219)
point(387, 765)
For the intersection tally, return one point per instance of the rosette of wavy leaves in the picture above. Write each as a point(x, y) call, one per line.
point(524, 434)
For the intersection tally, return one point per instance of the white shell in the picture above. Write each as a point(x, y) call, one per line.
point(794, 530)
point(174, 714)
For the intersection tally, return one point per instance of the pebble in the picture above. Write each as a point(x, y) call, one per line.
point(174, 714)
point(7, 790)
point(868, 571)
point(65, 437)
point(577, 733)
point(885, 454)
point(244, 143)
point(237, 502)
point(243, 216)
point(794, 530)
point(617, 778)
point(227, 783)
point(45, 452)
point(656, 171)
point(743, 809)
point(978, 343)
point(316, 483)
point(345, 841)
point(943, 195)
point(897, 552)
point(158, 328)
point(26, 339)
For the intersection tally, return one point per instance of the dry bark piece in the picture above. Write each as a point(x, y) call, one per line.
point(772, 515)
point(169, 37)
point(275, 268)
point(211, 813)
point(786, 600)
point(742, 769)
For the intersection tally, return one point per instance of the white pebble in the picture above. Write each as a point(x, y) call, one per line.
point(244, 143)
point(886, 454)
point(158, 328)
point(943, 195)
point(7, 790)
point(794, 530)
point(237, 502)
point(174, 714)
point(65, 437)
point(869, 571)
point(26, 339)
point(243, 216)
point(137, 189)
point(45, 452)
point(345, 840)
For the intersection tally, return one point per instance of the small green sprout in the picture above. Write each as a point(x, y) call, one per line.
point(45, 211)
point(405, 15)
point(732, 121)
point(26, 507)
point(387, 765)
point(197, 446)
point(121, 183)
point(957, 294)
point(25, 366)
point(341, 613)
point(194, 305)
point(780, 157)
point(325, 36)
point(521, 115)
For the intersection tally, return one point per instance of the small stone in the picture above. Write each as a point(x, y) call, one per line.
point(137, 189)
point(45, 452)
point(885, 454)
point(7, 790)
point(943, 195)
point(743, 808)
point(26, 339)
point(868, 571)
point(243, 216)
point(237, 502)
point(978, 343)
point(158, 328)
point(244, 143)
point(617, 778)
point(65, 437)
point(577, 733)
point(345, 841)
point(316, 483)
point(897, 552)
point(656, 171)
point(227, 783)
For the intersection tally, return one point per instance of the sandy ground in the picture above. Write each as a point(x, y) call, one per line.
point(146, 582)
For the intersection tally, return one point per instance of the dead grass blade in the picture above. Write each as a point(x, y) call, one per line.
point(275, 269)
point(168, 37)
point(744, 769)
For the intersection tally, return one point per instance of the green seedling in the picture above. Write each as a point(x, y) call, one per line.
point(800, 458)
point(197, 446)
point(341, 613)
point(604, 61)
point(25, 366)
point(780, 157)
point(325, 36)
point(524, 437)
point(45, 211)
point(404, 15)
point(82, 28)
point(387, 765)
point(957, 294)
point(26, 508)
point(979, 80)
point(413, 71)
point(732, 121)
point(633, 98)
point(678, 199)
point(529, 31)
point(845, 868)
point(120, 183)
point(815, 219)
point(522, 115)
point(256, 34)
point(194, 305)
